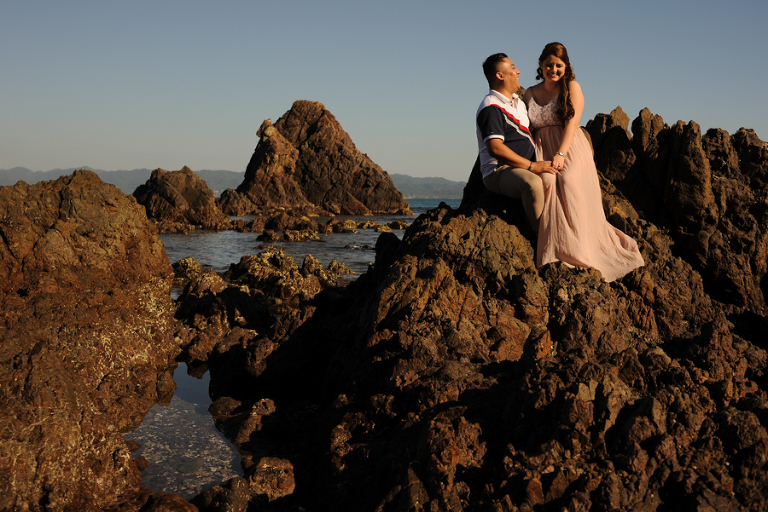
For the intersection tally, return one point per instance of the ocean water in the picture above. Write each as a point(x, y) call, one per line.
point(219, 249)
point(184, 450)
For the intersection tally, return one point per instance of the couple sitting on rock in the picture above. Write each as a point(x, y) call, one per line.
point(547, 162)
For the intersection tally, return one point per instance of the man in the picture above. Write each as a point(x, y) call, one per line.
point(505, 143)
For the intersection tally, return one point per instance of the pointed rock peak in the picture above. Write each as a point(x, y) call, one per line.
point(264, 129)
point(307, 159)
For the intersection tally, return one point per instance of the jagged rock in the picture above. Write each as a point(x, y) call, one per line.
point(86, 343)
point(186, 269)
point(398, 224)
point(455, 376)
point(276, 275)
point(231, 497)
point(709, 192)
point(180, 200)
point(210, 310)
point(306, 160)
point(300, 236)
point(217, 319)
point(285, 221)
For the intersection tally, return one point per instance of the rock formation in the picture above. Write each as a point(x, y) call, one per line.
point(455, 376)
point(709, 192)
point(307, 161)
point(259, 286)
point(86, 344)
point(179, 201)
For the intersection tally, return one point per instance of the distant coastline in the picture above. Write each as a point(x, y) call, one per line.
point(218, 181)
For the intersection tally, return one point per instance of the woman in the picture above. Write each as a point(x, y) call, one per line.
point(573, 228)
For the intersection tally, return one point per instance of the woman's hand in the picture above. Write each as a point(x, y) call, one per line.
point(558, 162)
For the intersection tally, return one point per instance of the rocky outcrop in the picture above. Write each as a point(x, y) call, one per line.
point(709, 192)
point(455, 376)
point(243, 307)
point(86, 344)
point(307, 161)
point(180, 201)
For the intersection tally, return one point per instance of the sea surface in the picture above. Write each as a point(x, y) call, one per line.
point(184, 450)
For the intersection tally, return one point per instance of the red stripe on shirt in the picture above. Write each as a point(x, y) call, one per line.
point(513, 118)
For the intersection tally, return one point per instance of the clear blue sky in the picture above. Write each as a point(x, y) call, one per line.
point(125, 85)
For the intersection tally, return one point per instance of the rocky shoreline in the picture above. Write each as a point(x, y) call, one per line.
point(87, 343)
point(451, 376)
point(304, 165)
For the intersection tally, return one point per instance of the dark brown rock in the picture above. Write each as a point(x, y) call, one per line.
point(235, 204)
point(707, 191)
point(307, 161)
point(179, 201)
point(273, 478)
point(86, 342)
point(234, 496)
point(457, 377)
point(221, 323)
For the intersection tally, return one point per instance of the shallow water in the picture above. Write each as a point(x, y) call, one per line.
point(219, 249)
point(185, 451)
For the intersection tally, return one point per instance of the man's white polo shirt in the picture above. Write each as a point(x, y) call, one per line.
point(506, 119)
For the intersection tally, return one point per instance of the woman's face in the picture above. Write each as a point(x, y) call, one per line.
point(553, 68)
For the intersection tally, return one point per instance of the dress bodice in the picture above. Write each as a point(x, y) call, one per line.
point(543, 116)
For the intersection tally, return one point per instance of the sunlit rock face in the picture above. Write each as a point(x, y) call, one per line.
point(179, 201)
point(307, 161)
point(86, 344)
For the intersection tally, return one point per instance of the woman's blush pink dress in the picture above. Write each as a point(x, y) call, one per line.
point(573, 228)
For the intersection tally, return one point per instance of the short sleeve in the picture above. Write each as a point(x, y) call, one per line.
point(490, 123)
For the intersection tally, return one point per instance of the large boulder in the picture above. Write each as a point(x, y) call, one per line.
point(86, 343)
point(307, 161)
point(180, 200)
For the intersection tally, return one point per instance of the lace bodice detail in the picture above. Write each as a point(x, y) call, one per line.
point(543, 116)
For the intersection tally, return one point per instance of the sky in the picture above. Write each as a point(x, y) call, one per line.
point(163, 83)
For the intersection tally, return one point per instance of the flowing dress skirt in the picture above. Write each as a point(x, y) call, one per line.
point(573, 228)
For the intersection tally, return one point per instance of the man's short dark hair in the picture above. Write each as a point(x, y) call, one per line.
point(489, 66)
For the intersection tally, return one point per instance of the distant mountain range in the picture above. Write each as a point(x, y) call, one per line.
point(219, 181)
point(428, 188)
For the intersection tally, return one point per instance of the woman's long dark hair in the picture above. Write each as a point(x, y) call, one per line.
point(564, 105)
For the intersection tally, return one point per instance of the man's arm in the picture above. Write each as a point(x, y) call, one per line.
point(498, 150)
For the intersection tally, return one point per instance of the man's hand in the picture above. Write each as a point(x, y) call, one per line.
point(543, 166)
point(503, 154)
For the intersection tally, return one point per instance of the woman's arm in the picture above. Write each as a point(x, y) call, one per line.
point(577, 100)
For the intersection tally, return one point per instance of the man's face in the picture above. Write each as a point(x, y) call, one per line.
point(509, 74)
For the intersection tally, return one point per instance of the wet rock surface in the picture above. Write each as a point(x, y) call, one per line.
point(455, 376)
point(86, 343)
point(307, 161)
